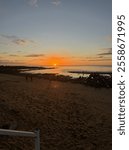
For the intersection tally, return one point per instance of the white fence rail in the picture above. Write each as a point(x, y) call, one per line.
point(35, 135)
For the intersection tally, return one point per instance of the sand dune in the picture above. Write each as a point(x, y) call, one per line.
point(69, 116)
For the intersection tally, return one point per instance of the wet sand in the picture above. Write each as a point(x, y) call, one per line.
point(70, 116)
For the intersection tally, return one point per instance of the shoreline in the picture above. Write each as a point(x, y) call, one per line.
point(89, 72)
point(95, 79)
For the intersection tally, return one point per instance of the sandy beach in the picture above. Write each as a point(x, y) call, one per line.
point(70, 116)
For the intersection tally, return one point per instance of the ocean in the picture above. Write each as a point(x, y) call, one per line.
point(64, 70)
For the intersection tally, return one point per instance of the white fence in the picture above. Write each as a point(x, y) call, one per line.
point(35, 135)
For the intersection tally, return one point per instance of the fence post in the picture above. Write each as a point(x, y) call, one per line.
point(37, 139)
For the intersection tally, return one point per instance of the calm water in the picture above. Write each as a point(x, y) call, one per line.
point(64, 70)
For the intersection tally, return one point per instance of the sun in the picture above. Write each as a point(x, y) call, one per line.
point(57, 60)
point(55, 64)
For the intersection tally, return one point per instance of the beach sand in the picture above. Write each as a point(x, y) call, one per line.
point(70, 116)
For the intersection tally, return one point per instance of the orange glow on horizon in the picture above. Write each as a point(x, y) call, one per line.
point(57, 60)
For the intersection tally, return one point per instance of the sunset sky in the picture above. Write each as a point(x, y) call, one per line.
point(61, 32)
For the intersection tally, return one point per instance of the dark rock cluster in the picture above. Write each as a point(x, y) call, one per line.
point(98, 80)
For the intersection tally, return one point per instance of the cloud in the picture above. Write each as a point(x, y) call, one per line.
point(9, 36)
point(9, 62)
point(104, 59)
point(21, 42)
point(108, 51)
point(13, 55)
point(16, 40)
point(101, 56)
point(34, 55)
point(56, 2)
point(33, 3)
point(4, 38)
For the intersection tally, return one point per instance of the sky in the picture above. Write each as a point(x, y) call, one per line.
point(55, 32)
